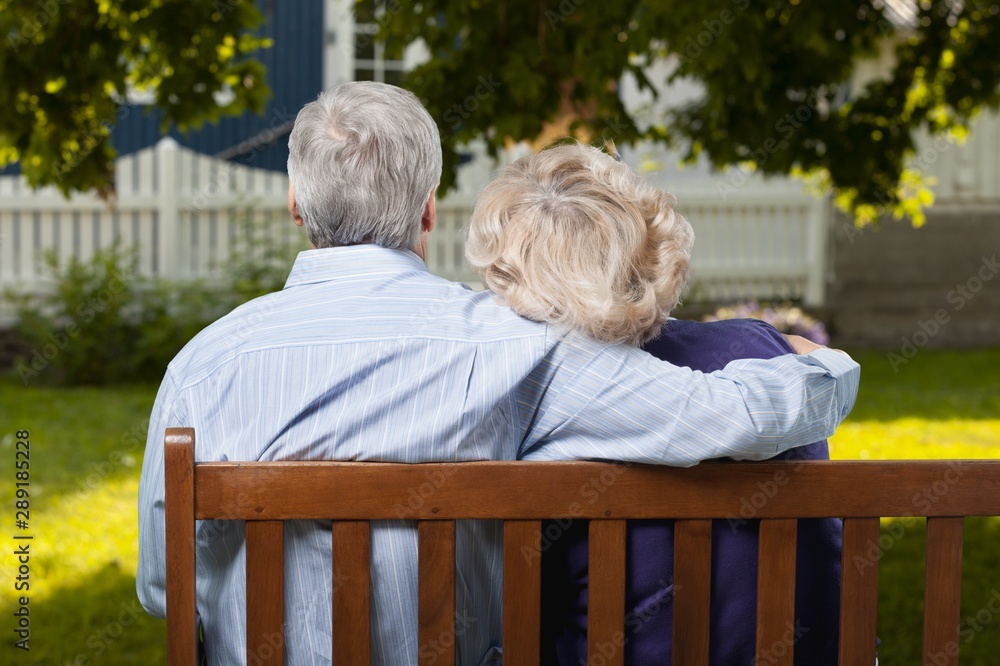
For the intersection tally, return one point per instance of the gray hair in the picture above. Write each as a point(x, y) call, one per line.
point(363, 160)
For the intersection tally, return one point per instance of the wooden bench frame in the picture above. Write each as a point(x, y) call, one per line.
point(522, 494)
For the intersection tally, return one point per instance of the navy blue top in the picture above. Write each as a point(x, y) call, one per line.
point(649, 559)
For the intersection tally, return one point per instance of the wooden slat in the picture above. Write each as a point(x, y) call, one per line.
point(351, 601)
point(7, 254)
point(91, 242)
point(859, 591)
point(523, 493)
point(109, 233)
point(692, 591)
point(498, 490)
point(46, 240)
point(147, 187)
point(943, 591)
point(62, 227)
point(28, 255)
point(179, 509)
point(522, 584)
point(606, 592)
point(436, 563)
point(124, 181)
point(776, 592)
point(41, 234)
point(265, 592)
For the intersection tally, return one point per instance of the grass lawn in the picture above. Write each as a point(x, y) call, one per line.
point(86, 447)
point(939, 405)
point(86, 453)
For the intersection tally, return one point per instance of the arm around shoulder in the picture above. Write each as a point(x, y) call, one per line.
point(799, 398)
point(618, 403)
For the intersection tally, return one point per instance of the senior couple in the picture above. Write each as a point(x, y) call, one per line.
point(364, 355)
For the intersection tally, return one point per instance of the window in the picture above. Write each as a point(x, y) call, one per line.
point(370, 59)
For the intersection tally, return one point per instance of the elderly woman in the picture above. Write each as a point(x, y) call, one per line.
point(572, 237)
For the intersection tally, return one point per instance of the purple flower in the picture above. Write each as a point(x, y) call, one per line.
point(786, 319)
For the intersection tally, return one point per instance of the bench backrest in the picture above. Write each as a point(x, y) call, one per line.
point(523, 494)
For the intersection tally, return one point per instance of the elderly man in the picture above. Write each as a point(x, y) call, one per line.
point(364, 355)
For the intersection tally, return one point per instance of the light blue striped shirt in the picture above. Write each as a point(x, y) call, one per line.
point(365, 355)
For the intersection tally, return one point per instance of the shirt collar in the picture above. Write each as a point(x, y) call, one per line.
point(355, 261)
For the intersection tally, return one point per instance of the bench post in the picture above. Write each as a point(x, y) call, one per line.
point(178, 452)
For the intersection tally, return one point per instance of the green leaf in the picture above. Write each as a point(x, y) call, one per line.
point(66, 64)
point(760, 64)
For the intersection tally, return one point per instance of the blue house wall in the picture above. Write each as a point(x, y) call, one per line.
point(294, 73)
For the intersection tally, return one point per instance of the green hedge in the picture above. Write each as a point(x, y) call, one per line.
point(103, 323)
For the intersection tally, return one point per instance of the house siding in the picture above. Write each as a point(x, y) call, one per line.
point(294, 72)
point(902, 288)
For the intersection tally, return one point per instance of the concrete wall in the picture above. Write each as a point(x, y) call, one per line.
point(901, 288)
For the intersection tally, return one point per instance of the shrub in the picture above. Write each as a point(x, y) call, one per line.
point(102, 323)
point(785, 318)
point(257, 265)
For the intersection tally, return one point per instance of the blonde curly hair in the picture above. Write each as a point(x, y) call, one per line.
point(574, 238)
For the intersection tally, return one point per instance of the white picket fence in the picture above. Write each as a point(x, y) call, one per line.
point(765, 244)
point(967, 173)
point(185, 212)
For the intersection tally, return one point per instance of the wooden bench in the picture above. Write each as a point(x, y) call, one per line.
point(522, 494)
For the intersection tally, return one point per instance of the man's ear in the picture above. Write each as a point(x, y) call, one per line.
point(428, 219)
point(293, 208)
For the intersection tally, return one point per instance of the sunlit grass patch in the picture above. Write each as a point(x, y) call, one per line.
point(86, 453)
point(917, 438)
point(940, 405)
point(83, 602)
